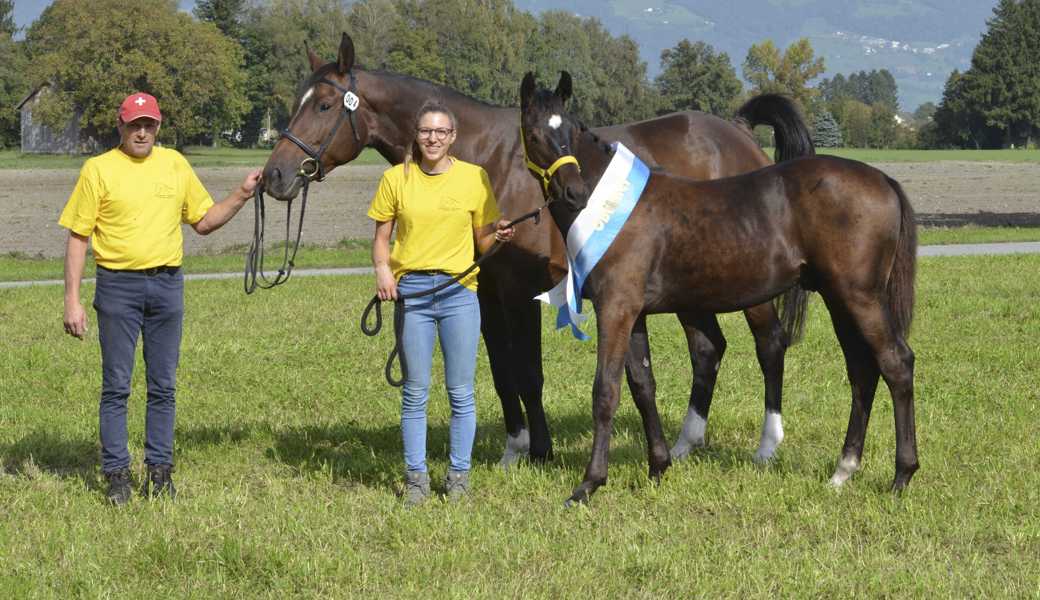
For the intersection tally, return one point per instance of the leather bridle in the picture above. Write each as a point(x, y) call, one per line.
point(311, 168)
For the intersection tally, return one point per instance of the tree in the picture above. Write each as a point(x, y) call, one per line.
point(856, 122)
point(826, 131)
point(13, 82)
point(1004, 79)
point(275, 34)
point(7, 25)
point(227, 15)
point(94, 54)
point(695, 76)
point(875, 87)
point(610, 80)
point(769, 71)
point(958, 121)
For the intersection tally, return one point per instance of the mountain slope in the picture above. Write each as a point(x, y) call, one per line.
point(919, 41)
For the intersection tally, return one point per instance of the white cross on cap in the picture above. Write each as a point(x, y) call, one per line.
point(140, 101)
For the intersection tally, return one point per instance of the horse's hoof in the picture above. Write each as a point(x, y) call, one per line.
point(517, 449)
point(845, 469)
point(578, 498)
point(763, 460)
point(682, 451)
point(541, 457)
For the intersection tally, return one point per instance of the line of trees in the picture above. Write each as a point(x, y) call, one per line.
point(234, 65)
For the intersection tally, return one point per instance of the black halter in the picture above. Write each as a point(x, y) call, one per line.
point(311, 168)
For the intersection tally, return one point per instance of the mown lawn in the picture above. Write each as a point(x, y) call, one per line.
point(288, 463)
point(874, 155)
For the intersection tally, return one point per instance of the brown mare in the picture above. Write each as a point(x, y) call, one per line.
point(694, 144)
point(835, 226)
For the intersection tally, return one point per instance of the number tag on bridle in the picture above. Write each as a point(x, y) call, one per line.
point(350, 101)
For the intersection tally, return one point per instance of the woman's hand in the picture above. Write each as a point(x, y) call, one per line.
point(386, 285)
point(503, 233)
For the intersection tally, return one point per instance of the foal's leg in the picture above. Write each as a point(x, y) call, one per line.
point(644, 392)
point(863, 375)
point(770, 346)
point(895, 360)
point(707, 345)
point(614, 327)
point(496, 339)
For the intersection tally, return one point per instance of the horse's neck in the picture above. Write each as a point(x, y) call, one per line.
point(397, 99)
point(592, 157)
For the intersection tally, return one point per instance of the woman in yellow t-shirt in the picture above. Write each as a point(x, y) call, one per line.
point(444, 209)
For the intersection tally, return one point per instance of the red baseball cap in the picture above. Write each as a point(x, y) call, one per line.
point(137, 105)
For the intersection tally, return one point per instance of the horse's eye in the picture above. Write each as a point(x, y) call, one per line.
point(324, 107)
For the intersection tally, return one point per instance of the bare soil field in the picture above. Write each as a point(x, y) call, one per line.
point(943, 193)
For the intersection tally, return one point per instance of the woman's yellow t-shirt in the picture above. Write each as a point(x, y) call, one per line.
point(435, 216)
point(133, 207)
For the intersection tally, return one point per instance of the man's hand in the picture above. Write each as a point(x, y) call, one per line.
point(252, 180)
point(75, 319)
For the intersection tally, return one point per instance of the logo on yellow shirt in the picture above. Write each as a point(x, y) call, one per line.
point(163, 190)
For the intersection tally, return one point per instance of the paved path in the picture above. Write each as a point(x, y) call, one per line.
point(946, 250)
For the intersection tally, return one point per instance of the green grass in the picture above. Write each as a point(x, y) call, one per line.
point(872, 155)
point(348, 253)
point(868, 155)
point(976, 235)
point(198, 156)
point(288, 459)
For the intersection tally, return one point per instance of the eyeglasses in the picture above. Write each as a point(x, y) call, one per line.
point(440, 133)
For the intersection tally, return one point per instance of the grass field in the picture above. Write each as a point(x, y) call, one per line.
point(288, 462)
point(870, 155)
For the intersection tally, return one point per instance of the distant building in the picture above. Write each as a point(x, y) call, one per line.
point(40, 139)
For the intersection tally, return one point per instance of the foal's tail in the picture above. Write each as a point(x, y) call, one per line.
point(782, 114)
point(901, 279)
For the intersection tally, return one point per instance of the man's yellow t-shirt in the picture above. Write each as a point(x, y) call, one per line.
point(435, 216)
point(133, 207)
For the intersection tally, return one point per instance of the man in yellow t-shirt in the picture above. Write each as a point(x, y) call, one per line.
point(129, 203)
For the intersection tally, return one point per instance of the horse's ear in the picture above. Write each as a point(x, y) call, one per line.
point(563, 89)
point(346, 54)
point(314, 59)
point(527, 87)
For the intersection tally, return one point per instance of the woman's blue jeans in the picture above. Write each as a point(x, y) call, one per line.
point(453, 315)
point(150, 306)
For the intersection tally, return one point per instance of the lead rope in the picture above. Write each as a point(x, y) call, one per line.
point(255, 255)
point(376, 303)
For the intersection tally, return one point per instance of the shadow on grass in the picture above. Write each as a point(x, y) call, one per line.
point(357, 454)
point(45, 451)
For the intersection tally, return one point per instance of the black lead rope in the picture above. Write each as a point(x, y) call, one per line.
point(375, 303)
point(254, 271)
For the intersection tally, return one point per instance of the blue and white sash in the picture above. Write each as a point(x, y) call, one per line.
point(595, 228)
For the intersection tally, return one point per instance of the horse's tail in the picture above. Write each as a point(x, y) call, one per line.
point(901, 279)
point(782, 114)
point(791, 307)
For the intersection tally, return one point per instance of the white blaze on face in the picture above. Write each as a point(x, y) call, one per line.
point(306, 96)
point(555, 121)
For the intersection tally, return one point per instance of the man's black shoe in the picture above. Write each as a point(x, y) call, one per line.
point(119, 491)
point(160, 482)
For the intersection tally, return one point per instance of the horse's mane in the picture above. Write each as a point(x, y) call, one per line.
point(434, 89)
